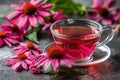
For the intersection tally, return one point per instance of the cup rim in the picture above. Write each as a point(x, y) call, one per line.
point(62, 35)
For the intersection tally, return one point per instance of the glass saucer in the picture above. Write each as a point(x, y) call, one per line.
point(101, 54)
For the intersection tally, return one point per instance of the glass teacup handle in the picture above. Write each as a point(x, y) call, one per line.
point(109, 36)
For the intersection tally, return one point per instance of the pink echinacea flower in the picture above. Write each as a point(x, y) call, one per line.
point(13, 29)
point(54, 56)
point(52, 18)
point(8, 38)
point(103, 11)
point(29, 47)
point(20, 62)
point(30, 13)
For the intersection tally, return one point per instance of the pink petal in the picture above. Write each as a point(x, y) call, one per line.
point(33, 21)
point(8, 43)
point(47, 64)
point(46, 26)
point(16, 66)
point(22, 2)
point(40, 19)
point(59, 13)
point(66, 62)
point(14, 14)
point(13, 41)
point(44, 13)
point(16, 7)
point(24, 65)
point(1, 42)
point(39, 2)
point(96, 4)
point(8, 20)
point(109, 3)
point(93, 15)
point(47, 6)
point(35, 52)
point(28, 61)
point(23, 21)
point(10, 62)
point(55, 64)
point(106, 22)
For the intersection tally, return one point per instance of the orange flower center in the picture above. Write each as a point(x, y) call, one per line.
point(21, 56)
point(29, 9)
point(55, 52)
point(30, 45)
point(104, 12)
point(2, 34)
point(15, 28)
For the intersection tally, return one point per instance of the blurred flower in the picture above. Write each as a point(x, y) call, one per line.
point(19, 62)
point(54, 17)
point(13, 28)
point(30, 13)
point(7, 38)
point(103, 11)
point(29, 47)
point(54, 56)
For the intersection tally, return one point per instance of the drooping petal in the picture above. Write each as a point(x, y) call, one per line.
point(55, 64)
point(28, 61)
point(46, 26)
point(1, 42)
point(16, 66)
point(14, 14)
point(48, 6)
point(7, 42)
point(47, 64)
point(44, 13)
point(40, 19)
point(23, 21)
point(96, 4)
point(16, 7)
point(10, 62)
point(109, 3)
point(106, 21)
point(24, 65)
point(33, 21)
point(66, 62)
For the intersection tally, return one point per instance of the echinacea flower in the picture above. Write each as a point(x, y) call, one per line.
point(30, 13)
point(54, 17)
point(29, 47)
point(13, 28)
point(103, 11)
point(8, 39)
point(54, 56)
point(20, 62)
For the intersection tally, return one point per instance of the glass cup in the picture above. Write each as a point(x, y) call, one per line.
point(79, 37)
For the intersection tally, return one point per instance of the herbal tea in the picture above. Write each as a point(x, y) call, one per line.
point(77, 40)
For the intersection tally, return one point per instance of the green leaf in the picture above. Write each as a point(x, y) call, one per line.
point(33, 37)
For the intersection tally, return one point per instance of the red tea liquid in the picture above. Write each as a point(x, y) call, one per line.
point(77, 42)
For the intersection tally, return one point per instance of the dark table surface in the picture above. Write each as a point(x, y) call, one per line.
point(107, 70)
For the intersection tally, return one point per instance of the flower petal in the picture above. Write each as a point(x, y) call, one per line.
point(1, 42)
point(13, 41)
point(55, 64)
point(10, 62)
point(47, 64)
point(109, 3)
point(7, 42)
point(28, 61)
point(16, 66)
point(24, 65)
point(44, 13)
point(40, 19)
point(46, 26)
point(106, 22)
point(48, 6)
point(33, 21)
point(96, 4)
point(66, 62)
point(14, 14)
point(16, 7)
point(23, 20)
